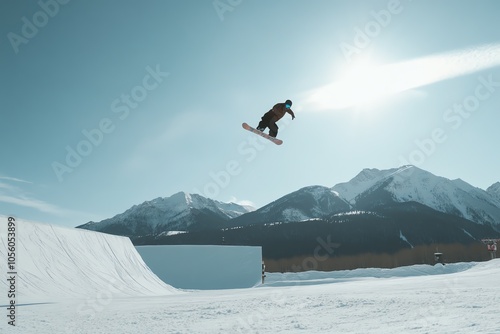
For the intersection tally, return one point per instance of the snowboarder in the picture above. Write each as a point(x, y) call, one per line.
point(272, 116)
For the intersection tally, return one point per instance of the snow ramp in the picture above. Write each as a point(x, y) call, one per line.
point(55, 263)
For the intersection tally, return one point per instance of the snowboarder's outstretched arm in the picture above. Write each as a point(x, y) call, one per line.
point(291, 113)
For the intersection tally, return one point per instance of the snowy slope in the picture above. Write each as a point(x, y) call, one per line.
point(460, 299)
point(181, 211)
point(373, 188)
point(56, 263)
point(74, 281)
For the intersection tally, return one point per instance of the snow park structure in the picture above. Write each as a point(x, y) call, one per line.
point(205, 267)
point(50, 263)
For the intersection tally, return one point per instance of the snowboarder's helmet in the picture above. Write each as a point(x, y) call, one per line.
point(288, 103)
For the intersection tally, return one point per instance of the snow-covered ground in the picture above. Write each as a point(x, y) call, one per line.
point(463, 302)
point(456, 298)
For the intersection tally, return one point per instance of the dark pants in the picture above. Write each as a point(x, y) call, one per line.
point(269, 121)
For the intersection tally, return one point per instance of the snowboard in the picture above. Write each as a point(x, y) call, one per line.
point(262, 134)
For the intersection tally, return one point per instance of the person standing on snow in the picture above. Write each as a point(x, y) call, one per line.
point(272, 116)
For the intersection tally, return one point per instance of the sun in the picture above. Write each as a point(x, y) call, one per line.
point(362, 82)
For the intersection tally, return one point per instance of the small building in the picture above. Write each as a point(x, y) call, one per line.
point(438, 257)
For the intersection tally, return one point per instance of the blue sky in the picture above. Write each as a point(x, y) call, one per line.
point(107, 104)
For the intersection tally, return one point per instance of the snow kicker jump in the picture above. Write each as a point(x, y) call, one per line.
point(58, 263)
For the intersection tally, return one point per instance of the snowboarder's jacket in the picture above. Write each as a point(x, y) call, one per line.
point(279, 110)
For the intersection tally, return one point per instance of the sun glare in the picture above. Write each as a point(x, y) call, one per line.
point(363, 82)
point(360, 83)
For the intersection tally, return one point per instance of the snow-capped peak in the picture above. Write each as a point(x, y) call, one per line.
point(303, 204)
point(410, 183)
point(177, 212)
point(361, 182)
point(494, 190)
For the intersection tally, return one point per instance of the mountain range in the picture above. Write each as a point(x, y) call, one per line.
point(179, 212)
point(372, 188)
point(378, 202)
